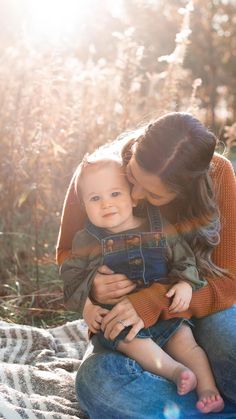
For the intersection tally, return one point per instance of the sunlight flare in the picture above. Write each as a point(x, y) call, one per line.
point(56, 19)
point(171, 411)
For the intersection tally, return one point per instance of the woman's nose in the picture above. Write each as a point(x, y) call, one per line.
point(138, 192)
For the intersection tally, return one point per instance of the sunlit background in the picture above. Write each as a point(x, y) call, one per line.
point(75, 74)
point(61, 20)
point(55, 21)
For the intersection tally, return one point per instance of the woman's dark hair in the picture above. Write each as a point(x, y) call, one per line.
point(178, 149)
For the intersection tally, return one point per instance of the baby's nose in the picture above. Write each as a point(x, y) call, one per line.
point(106, 203)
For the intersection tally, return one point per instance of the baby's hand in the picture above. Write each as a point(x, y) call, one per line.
point(93, 315)
point(182, 293)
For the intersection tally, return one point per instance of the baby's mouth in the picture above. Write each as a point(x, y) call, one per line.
point(109, 214)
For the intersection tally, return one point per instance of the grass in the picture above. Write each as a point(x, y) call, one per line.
point(24, 301)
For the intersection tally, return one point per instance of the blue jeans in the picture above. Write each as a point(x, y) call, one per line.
point(112, 386)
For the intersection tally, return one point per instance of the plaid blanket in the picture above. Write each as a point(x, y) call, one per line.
point(38, 369)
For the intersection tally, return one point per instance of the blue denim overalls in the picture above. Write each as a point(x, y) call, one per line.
point(142, 257)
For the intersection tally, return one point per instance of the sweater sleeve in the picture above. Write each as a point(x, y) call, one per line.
point(224, 179)
point(72, 220)
point(220, 293)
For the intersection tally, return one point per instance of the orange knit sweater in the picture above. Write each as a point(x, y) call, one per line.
point(151, 303)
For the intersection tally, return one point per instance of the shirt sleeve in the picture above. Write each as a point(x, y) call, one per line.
point(182, 265)
point(77, 273)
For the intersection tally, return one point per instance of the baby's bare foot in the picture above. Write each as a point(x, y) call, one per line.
point(185, 380)
point(210, 401)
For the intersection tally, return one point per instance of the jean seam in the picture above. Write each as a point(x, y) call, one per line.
point(132, 367)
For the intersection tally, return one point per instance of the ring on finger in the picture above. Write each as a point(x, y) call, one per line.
point(122, 322)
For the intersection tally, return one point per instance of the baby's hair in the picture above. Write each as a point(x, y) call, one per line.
point(95, 161)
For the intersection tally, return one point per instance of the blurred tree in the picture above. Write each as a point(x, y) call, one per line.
point(155, 24)
point(14, 15)
point(212, 54)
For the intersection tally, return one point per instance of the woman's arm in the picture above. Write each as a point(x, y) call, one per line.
point(225, 187)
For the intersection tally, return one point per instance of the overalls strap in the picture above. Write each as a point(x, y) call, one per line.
point(97, 232)
point(154, 218)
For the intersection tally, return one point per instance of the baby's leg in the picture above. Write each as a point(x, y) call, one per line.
point(183, 347)
point(152, 358)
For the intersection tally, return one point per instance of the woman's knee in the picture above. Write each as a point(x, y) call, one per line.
point(217, 331)
point(105, 373)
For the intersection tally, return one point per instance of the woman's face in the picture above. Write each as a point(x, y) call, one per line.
point(148, 186)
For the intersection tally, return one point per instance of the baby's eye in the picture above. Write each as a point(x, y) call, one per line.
point(114, 194)
point(95, 198)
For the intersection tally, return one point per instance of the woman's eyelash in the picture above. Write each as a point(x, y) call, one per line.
point(154, 196)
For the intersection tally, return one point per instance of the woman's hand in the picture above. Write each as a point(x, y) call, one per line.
point(120, 317)
point(182, 293)
point(109, 288)
point(93, 315)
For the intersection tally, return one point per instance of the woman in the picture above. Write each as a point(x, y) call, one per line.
point(173, 149)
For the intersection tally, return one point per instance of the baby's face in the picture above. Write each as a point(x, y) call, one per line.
point(107, 199)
